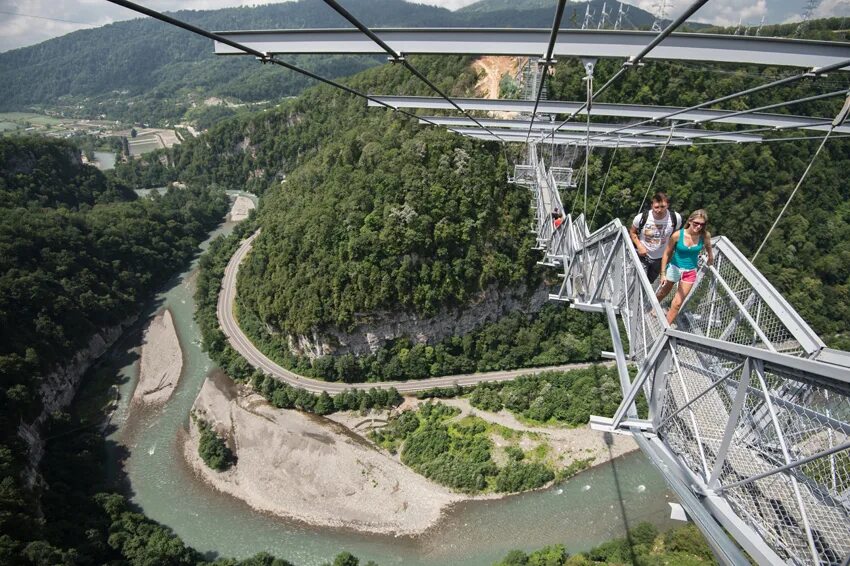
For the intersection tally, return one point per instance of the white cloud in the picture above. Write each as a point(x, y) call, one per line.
point(833, 8)
point(718, 12)
point(730, 12)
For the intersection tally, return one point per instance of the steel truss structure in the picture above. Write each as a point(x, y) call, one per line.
point(772, 121)
point(457, 124)
point(523, 42)
point(741, 406)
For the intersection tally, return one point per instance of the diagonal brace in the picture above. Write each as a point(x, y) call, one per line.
point(620, 356)
point(646, 370)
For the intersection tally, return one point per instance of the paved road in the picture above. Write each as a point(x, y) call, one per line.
point(256, 358)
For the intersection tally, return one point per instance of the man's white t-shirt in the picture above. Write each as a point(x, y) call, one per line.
point(655, 233)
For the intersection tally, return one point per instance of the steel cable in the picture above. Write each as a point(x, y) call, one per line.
point(604, 183)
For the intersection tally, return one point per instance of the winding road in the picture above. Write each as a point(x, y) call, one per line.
point(242, 344)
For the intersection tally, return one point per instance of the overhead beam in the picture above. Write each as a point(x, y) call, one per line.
point(538, 126)
point(779, 121)
point(520, 137)
point(533, 43)
point(471, 129)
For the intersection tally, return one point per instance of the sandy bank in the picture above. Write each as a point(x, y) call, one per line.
point(161, 362)
point(240, 209)
point(310, 468)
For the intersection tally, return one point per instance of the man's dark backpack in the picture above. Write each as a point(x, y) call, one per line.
point(678, 222)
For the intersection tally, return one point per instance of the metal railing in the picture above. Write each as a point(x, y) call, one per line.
point(748, 426)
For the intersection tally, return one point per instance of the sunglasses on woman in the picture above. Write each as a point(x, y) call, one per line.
point(700, 224)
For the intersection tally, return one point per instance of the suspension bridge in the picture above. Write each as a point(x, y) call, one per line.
point(747, 411)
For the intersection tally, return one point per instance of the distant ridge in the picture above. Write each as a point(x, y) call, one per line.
point(497, 5)
point(513, 13)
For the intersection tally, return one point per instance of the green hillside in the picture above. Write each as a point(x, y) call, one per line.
point(497, 5)
point(145, 71)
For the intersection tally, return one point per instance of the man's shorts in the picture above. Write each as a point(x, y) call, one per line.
point(652, 267)
point(674, 274)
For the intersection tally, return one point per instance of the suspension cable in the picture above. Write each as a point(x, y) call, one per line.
point(399, 58)
point(578, 192)
point(791, 196)
point(547, 60)
point(657, 165)
point(262, 57)
point(604, 183)
point(839, 119)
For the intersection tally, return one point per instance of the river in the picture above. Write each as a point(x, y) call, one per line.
point(593, 507)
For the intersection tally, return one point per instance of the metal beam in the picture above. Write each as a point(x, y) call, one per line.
point(533, 43)
point(819, 372)
point(685, 133)
point(471, 130)
point(779, 121)
point(561, 140)
point(622, 367)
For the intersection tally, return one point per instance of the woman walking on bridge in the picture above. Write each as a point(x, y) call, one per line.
point(680, 259)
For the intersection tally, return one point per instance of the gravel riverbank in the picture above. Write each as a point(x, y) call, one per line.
point(161, 362)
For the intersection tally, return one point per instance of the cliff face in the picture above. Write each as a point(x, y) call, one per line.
point(58, 389)
point(368, 337)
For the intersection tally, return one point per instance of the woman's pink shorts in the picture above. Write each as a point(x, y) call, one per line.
point(674, 274)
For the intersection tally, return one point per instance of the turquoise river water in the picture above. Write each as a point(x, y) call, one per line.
point(593, 507)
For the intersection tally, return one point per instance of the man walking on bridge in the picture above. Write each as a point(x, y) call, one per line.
point(650, 232)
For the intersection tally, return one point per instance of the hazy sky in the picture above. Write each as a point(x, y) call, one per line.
point(31, 26)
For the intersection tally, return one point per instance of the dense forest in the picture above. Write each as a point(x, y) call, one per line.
point(78, 253)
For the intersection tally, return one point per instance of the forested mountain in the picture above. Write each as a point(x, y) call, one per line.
point(146, 71)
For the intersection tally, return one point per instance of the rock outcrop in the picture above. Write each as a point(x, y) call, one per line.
point(58, 389)
point(382, 327)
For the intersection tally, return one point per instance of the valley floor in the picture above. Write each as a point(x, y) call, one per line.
point(324, 472)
